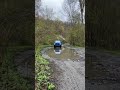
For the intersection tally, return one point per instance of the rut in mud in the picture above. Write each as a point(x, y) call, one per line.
point(68, 74)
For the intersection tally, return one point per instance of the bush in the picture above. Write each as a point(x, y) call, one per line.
point(77, 35)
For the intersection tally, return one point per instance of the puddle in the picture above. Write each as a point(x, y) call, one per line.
point(63, 54)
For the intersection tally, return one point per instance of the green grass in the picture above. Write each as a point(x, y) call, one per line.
point(42, 71)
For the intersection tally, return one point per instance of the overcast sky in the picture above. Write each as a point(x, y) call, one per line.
point(56, 5)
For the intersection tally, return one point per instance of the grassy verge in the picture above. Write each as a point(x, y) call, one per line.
point(9, 77)
point(42, 72)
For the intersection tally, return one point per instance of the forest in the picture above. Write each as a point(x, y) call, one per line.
point(20, 30)
point(48, 30)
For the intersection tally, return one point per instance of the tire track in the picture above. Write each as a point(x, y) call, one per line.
point(72, 75)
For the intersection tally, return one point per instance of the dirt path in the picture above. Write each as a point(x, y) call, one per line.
point(68, 74)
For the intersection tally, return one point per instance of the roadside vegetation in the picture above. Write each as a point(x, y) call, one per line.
point(48, 28)
point(42, 72)
point(58, 30)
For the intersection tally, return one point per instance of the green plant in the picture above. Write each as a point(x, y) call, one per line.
point(42, 71)
point(51, 86)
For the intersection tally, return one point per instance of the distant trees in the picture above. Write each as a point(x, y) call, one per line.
point(71, 10)
point(43, 12)
point(49, 29)
point(77, 35)
point(82, 9)
point(74, 10)
point(37, 7)
point(47, 13)
point(44, 27)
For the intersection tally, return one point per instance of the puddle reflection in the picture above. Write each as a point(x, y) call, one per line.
point(57, 50)
point(63, 53)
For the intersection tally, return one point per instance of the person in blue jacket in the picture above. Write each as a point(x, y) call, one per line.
point(57, 43)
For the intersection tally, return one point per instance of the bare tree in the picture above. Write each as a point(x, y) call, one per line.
point(47, 13)
point(82, 9)
point(44, 12)
point(37, 8)
point(70, 8)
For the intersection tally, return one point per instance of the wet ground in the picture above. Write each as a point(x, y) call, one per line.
point(68, 68)
point(24, 61)
point(102, 71)
point(63, 54)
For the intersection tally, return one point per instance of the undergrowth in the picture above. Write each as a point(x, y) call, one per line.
point(42, 72)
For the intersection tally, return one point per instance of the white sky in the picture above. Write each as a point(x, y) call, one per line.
point(56, 5)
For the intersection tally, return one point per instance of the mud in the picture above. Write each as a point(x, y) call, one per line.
point(104, 71)
point(68, 74)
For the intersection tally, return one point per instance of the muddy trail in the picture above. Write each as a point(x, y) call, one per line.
point(103, 70)
point(68, 72)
